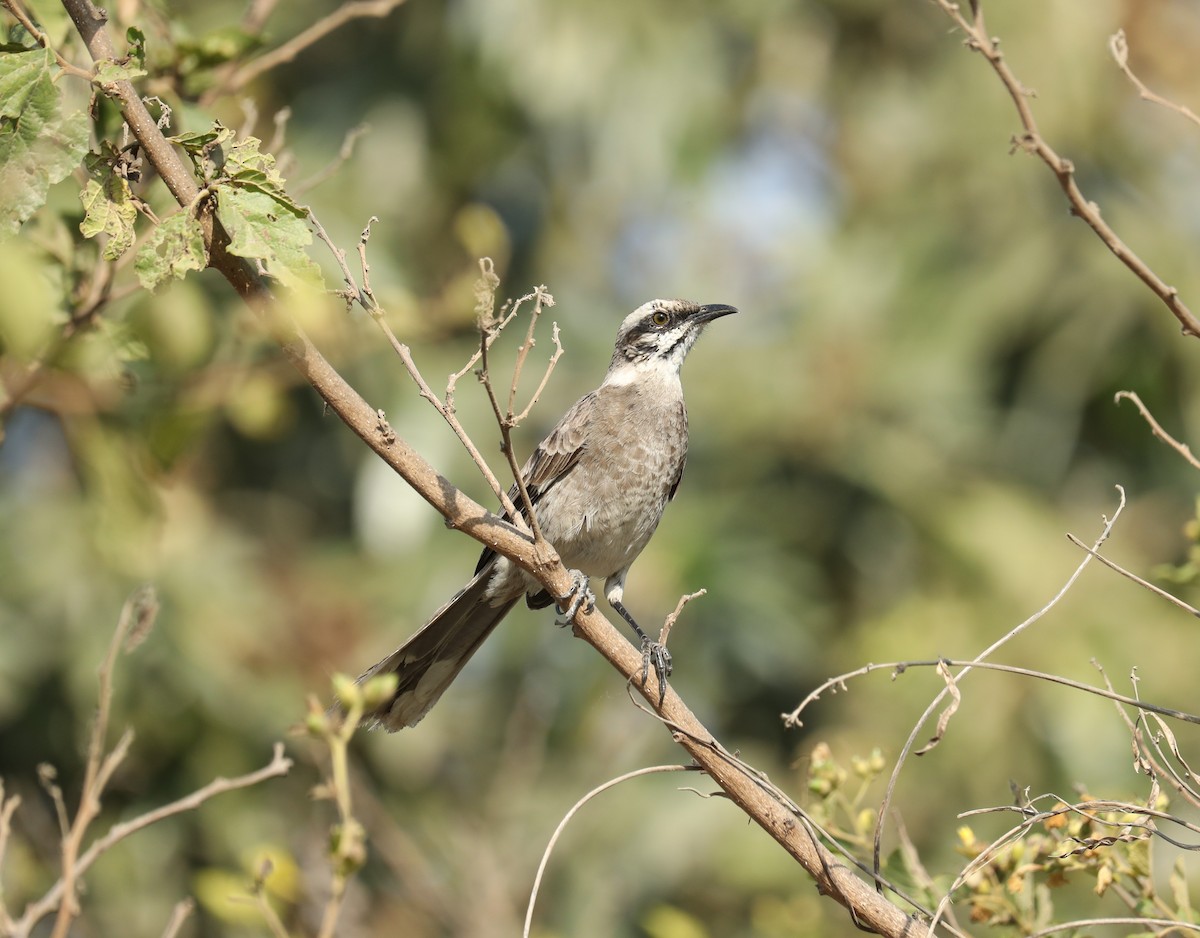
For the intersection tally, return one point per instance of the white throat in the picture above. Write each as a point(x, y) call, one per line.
point(651, 371)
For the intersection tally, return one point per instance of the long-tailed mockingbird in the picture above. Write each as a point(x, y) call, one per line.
point(598, 483)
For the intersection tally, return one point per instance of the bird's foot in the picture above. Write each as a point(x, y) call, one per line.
point(580, 596)
point(655, 654)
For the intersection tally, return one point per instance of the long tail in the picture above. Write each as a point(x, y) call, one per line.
point(429, 661)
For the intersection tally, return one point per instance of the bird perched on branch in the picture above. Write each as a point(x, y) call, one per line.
point(598, 484)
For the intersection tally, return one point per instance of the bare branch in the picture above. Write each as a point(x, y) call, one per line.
point(838, 684)
point(1145, 761)
point(558, 352)
point(1157, 591)
point(669, 622)
point(1167, 925)
point(1031, 141)
point(611, 783)
point(179, 914)
point(279, 765)
point(22, 16)
point(98, 770)
point(743, 787)
point(540, 298)
point(344, 153)
point(982, 656)
point(1119, 46)
point(1156, 428)
point(8, 807)
point(357, 9)
point(489, 331)
point(365, 297)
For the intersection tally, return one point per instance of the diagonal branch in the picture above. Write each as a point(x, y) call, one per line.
point(1031, 141)
point(1118, 45)
point(742, 785)
point(357, 9)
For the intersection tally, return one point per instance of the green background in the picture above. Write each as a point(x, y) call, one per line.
point(888, 447)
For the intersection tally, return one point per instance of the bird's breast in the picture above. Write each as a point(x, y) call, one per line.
point(602, 513)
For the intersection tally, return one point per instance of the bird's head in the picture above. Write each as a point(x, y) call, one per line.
point(659, 334)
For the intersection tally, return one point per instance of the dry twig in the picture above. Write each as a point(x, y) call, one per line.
point(356, 9)
point(1032, 141)
point(1156, 428)
point(1119, 46)
point(611, 783)
point(1157, 591)
point(982, 656)
point(775, 814)
point(22, 16)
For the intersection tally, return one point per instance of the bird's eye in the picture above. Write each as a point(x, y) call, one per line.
point(659, 318)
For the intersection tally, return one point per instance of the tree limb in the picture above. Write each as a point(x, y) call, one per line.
point(869, 910)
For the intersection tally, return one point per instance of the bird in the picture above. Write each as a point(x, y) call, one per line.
point(598, 483)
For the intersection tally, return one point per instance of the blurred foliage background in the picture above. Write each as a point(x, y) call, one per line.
point(888, 446)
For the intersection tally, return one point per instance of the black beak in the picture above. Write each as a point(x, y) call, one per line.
point(711, 311)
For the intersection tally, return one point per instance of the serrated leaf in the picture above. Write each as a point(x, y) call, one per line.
point(173, 248)
point(38, 144)
point(109, 209)
point(195, 141)
point(245, 159)
point(264, 228)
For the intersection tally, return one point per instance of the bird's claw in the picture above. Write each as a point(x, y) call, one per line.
point(580, 596)
point(655, 654)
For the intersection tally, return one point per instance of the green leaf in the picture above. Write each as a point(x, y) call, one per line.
point(264, 228)
point(173, 248)
point(131, 65)
point(39, 146)
point(196, 141)
point(245, 159)
point(109, 209)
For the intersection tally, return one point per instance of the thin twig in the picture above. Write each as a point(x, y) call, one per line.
point(1032, 817)
point(279, 765)
point(897, 668)
point(8, 807)
point(1157, 591)
point(365, 297)
point(913, 862)
point(179, 914)
point(485, 298)
point(1141, 924)
point(982, 656)
point(1144, 760)
point(1086, 810)
point(258, 898)
point(1156, 428)
point(541, 298)
point(489, 331)
point(99, 767)
point(669, 622)
point(611, 783)
point(18, 11)
point(558, 353)
point(869, 910)
point(298, 43)
point(1119, 46)
point(343, 154)
point(1031, 141)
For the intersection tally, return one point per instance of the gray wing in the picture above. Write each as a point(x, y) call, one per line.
point(683, 462)
point(559, 452)
point(553, 459)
